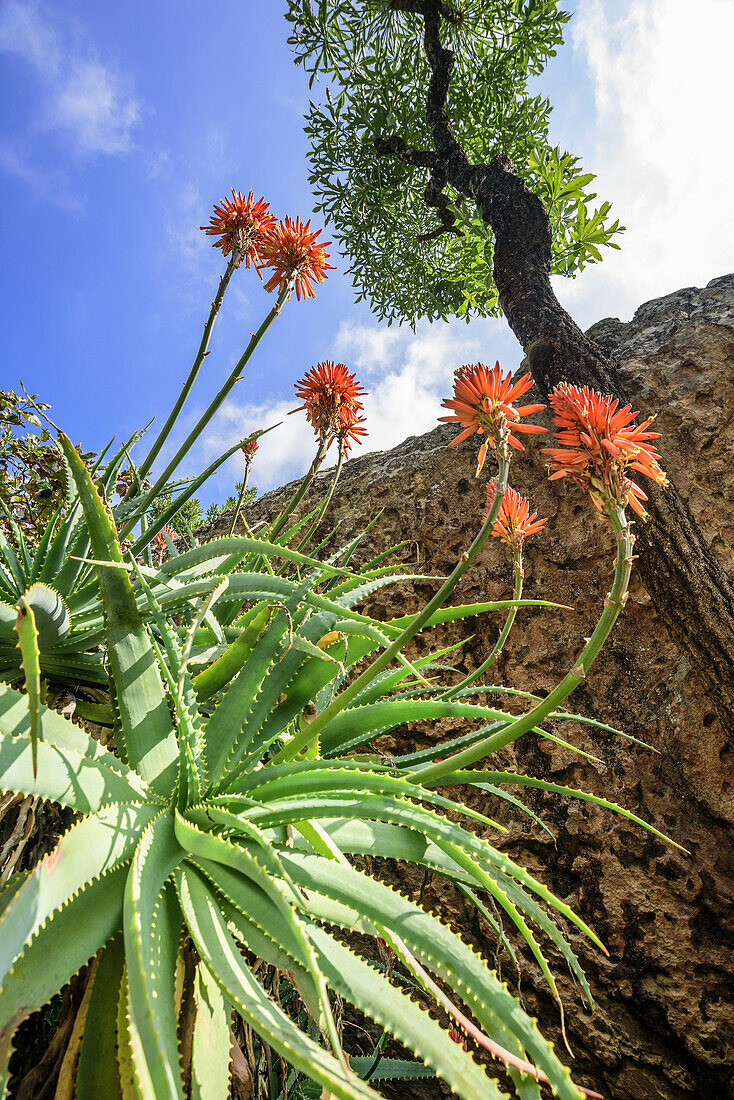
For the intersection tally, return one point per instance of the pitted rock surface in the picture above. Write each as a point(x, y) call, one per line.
point(663, 1026)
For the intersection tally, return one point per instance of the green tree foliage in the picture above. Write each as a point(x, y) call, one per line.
point(33, 478)
point(376, 173)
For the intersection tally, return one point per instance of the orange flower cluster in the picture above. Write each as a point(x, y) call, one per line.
point(242, 225)
point(483, 403)
point(296, 256)
point(159, 540)
point(514, 522)
point(599, 444)
point(331, 397)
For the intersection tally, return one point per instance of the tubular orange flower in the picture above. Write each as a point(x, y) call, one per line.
point(350, 428)
point(330, 395)
point(483, 403)
point(514, 522)
point(242, 225)
point(296, 256)
point(598, 444)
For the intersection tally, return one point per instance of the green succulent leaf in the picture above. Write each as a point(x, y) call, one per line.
point(152, 927)
point(145, 723)
point(217, 947)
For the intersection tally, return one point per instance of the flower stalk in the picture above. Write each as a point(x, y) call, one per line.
point(305, 737)
point(300, 492)
point(201, 354)
point(432, 774)
point(499, 645)
point(213, 407)
point(327, 501)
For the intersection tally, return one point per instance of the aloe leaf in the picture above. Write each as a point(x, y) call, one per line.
point(284, 782)
point(28, 644)
point(226, 667)
point(217, 947)
point(357, 724)
point(210, 1051)
point(261, 925)
point(65, 776)
point(97, 1075)
point(438, 829)
point(128, 1081)
point(58, 950)
point(43, 545)
point(463, 611)
point(145, 723)
point(366, 988)
point(348, 597)
point(50, 614)
point(59, 733)
point(390, 1069)
point(437, 947)
point(269, 873)
point(222, 555)
point(97, 844)
point(17, 573)
point(151, 926)
point(515, 778)
point(289, 687)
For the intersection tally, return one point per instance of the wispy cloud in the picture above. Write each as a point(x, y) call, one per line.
point(406, 373)
point(661, 82)
point(85, 101)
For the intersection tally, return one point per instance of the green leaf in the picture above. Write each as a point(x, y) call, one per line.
point(210, 1054)
point(66, 776)
point(366, 988)
point(97, 1075)
point(60, 947)
point(96, 845)
point(151, 927)
point(219, 950)
point(147, 739)
point(28, 642)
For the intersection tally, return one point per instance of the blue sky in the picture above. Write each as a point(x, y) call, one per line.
point(122, 124)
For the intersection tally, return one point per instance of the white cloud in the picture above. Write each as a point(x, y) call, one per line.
point(85, 101)
point(406, 373)
point(93, 104)
point(660, 74)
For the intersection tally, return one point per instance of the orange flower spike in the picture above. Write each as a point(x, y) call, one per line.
point(296, 258)
point(483, 403)
point(242, 225)
point(599, 443)
point(331, 397)
point(514, 522)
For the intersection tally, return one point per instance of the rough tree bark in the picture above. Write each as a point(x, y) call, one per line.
point(691, 592)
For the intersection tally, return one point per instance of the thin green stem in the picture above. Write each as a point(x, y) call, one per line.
point(613, 604)
point(383, 660)
point(212, 408)
point(165, 431)
point(241, 501)
point(322, 510)
point(499, 644)
point(299, 493)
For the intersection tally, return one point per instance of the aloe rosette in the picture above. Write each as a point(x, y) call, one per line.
point(202, 827)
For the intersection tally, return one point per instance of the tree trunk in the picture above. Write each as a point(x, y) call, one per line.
point(688, 586)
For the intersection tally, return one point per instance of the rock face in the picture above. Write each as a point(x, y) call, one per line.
point(663, 1026)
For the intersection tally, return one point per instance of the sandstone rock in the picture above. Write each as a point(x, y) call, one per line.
point(663, 1026)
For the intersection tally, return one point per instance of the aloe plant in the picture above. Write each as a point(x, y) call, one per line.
point(201, 828)
point(57, 580)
